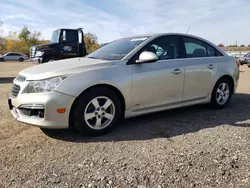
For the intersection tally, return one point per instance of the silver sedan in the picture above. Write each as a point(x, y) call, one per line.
point(125, 78)
point(13, 56)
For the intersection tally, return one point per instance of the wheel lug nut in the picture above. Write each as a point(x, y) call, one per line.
point(99, 116)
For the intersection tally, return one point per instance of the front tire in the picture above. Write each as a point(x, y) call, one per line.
point(49, 59)
point(222, 93)
point(96, 112)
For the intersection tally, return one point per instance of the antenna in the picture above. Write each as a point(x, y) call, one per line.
point(187, 30)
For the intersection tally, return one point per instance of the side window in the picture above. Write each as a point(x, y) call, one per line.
point(194, 48)
point(71, 36)
point(10, 54)
point(165, 47)
point(210, 51)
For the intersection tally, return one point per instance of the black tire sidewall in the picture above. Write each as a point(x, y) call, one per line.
point(49, 58)
point(214, 102)
point(81, 104)
point(20, 59)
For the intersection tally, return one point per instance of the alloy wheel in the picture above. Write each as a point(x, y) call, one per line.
point(99, 113)
point(222, 93)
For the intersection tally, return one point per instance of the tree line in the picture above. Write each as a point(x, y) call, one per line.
point(234, 45)
point(22, 41)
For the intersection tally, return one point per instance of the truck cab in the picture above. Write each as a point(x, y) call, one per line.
point(64, 43)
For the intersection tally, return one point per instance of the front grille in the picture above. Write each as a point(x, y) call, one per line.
point(32, 52)
point(15, 90)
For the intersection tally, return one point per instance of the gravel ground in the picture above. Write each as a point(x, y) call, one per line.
point(189, 147)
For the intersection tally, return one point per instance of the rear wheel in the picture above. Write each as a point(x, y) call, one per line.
point(21, 59)
point(222, 93)
point(96, 111)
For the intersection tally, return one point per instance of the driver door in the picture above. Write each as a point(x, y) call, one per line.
point(69, 44)
point(159, 84)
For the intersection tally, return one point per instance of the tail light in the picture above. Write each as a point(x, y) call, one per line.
point(238, 63)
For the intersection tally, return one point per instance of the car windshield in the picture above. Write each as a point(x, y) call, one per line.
point(55, 36)
point(247, 55)
point(118, 49)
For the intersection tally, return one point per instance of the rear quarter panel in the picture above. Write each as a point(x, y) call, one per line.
point(227, 67)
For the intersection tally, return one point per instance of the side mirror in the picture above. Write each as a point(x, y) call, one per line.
point(147, 57)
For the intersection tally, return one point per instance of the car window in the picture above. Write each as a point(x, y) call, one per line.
point(210, 51)
point(10, 54)
point(118, 49)
point(195, 48)
point(166, 47)
point(71, 36)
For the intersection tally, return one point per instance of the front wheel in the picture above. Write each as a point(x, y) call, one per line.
point(21, 59)
point(50, 59)
point(96, 111)
point(222, 93)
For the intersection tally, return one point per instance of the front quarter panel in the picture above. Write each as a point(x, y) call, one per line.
point(118, 76)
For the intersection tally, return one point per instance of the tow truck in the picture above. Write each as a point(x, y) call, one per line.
point(64, 43)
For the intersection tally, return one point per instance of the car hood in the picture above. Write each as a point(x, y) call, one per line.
point(63, 67)
point(44, 46)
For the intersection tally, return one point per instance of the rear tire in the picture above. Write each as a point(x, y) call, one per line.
point(20, 59)
point(96, 111)
point(221, 94)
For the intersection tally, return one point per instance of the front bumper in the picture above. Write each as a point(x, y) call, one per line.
point(50, 102)
point(36, 60)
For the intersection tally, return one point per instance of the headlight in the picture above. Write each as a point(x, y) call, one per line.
point(39, 53)
point(42, 86)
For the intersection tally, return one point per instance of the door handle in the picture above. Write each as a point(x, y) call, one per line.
point(176, 71)
point(211, 66)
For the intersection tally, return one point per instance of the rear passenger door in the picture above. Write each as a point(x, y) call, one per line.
point(201, 64)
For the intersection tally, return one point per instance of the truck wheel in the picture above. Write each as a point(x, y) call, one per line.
point(50, 59)
point(96, 112)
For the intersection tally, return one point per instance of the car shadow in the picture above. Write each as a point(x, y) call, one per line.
point(6, 80)
point(168, 124)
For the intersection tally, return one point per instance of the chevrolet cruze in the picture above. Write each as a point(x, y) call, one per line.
point(125, 78)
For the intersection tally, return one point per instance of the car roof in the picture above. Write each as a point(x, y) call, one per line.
point(14, 53)
point(163, 34)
